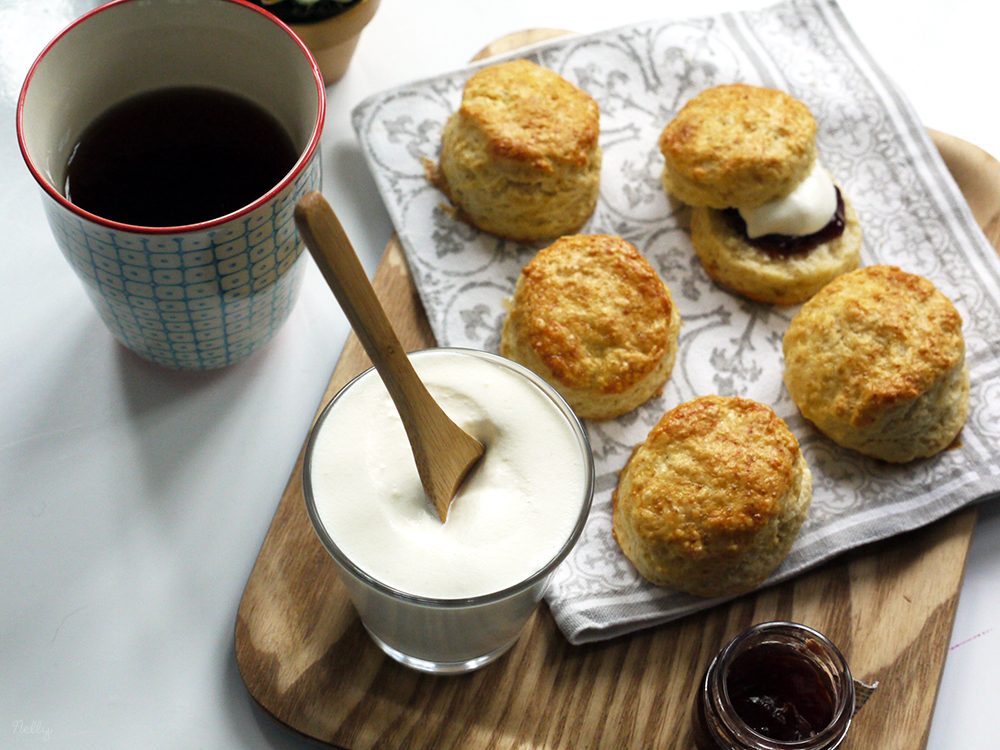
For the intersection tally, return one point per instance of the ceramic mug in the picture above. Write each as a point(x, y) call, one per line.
point(197, 296)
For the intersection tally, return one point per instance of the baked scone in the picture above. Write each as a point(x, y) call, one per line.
point(774, 276)
point(768, 221)
point(738, 145)
point(520, 157)
point(876, 360)
point(711, 502)
point(595, 320)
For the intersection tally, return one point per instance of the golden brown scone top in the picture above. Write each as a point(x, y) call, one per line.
point(532, 114)
point(868, 340)
point(712, 472)
point(595, 312)
point(738, 145)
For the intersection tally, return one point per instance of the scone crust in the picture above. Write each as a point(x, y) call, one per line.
point(591, 316)
point(737, 145)
point(531, 115)
point(774, 278)
point(520, 157)
point(876, 360)
point(711, 502)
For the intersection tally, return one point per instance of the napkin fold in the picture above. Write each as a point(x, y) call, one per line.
point(911, 211)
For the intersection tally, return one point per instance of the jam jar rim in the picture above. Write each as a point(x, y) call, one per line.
point(829, 737)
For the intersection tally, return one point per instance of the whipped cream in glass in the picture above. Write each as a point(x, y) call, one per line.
point(449, 597)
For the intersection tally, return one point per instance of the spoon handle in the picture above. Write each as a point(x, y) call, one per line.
point(332, 250)
point(443, 452)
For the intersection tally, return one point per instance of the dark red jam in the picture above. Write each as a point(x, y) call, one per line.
point(780, 693)
point(785, 244)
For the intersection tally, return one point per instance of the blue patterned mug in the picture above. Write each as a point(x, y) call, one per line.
point(200, 295)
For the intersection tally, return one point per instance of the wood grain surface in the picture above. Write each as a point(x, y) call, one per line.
point(306, 659)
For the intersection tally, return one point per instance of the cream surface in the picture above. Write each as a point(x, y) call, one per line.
point(805, 210)
point(514, 511)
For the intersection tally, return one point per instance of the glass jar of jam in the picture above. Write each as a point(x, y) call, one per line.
point(777, 685)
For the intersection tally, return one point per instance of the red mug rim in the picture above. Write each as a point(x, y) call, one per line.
point(304, 158)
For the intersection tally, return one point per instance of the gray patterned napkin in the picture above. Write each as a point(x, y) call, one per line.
point(869, 137)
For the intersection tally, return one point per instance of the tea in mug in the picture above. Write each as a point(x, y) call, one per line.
point(177, 156)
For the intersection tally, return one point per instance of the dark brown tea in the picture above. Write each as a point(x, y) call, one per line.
point(177, 156)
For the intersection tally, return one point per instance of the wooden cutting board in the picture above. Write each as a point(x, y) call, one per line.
point(306, 659)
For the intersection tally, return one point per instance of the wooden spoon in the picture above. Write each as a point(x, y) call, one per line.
point(443, 451)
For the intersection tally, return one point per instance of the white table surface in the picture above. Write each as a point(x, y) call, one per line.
point(133, 500)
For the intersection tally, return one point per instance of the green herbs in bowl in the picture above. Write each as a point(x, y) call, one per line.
point(306, 11)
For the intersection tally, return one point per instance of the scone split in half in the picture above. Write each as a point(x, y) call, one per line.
point(738, 145)
point(711, 502)
point(592, 317)
point(768, 221)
